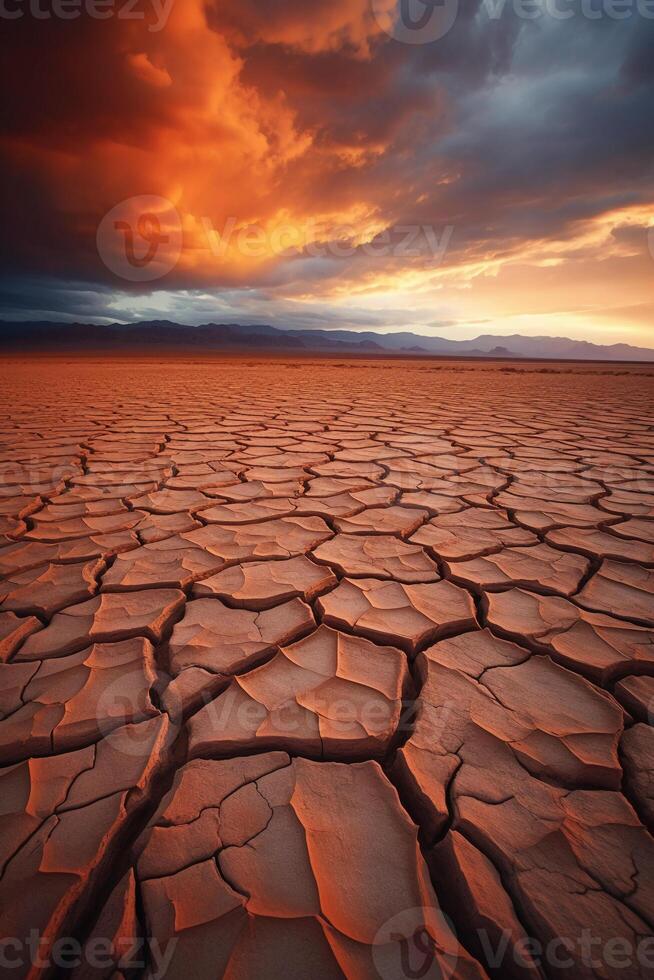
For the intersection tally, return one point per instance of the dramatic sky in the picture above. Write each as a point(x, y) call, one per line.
point(308, 165)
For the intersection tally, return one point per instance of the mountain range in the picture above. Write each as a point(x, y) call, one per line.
point(164, 336)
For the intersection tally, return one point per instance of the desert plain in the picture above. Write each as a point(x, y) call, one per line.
point(322, 669)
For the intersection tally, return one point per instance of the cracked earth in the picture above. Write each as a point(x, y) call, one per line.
point(327, 670)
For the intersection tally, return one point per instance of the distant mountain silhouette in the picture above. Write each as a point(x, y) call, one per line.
point(164, 335)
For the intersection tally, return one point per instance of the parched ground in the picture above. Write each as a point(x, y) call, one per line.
point(317, 669)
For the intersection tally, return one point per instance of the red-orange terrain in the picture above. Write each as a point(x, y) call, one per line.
point(314, 669)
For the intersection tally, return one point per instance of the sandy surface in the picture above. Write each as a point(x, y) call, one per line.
point(320, 669)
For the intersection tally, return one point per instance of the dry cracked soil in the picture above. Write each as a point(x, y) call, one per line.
point(319, 669)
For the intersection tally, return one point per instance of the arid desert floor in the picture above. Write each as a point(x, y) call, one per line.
point(317, 669)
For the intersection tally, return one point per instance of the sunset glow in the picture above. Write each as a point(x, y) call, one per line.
point(296, 141)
